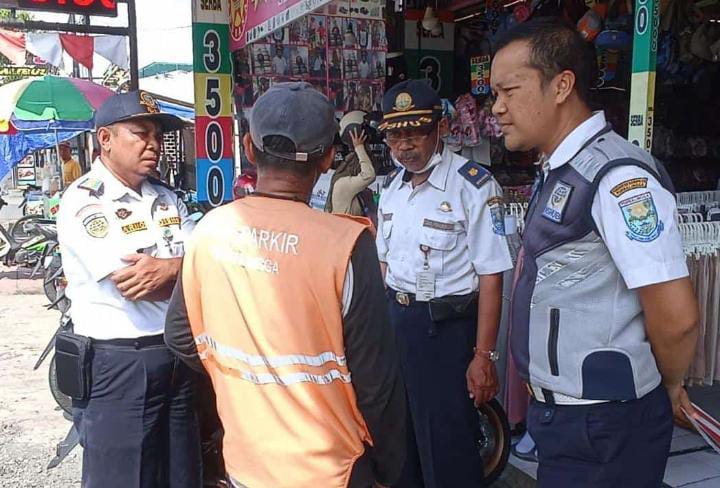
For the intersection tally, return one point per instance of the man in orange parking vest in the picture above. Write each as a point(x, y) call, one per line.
point(286, 310)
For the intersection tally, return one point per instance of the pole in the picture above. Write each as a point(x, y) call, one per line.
point(642, 86)
point(132, 33)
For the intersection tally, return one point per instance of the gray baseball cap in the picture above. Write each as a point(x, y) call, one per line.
point(299, 112)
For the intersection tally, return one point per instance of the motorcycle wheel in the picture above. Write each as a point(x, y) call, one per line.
point(63, 401)
point(53, 286)
point(494, 439)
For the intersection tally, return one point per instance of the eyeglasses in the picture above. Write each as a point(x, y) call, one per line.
point(412, 137)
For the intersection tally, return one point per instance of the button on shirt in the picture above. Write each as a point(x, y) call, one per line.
point(459, 223)
point(624, 191)
point(100, 221)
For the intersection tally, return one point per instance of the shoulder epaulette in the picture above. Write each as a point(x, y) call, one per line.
point(391, 176)
point(94, 186)
point(156, 182)
point(474, 173)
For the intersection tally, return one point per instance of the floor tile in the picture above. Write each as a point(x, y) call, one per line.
point(690, 441)
point(690, 468)
point(709, 483)
point(524, 466)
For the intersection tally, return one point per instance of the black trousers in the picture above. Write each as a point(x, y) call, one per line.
point(138, 428)
point(443, 443)
point(614, 444)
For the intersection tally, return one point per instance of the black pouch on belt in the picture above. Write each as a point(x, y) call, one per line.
point(73, 363)
point(454, 307)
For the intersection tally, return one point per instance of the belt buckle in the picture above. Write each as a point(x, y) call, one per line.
point(402, 298)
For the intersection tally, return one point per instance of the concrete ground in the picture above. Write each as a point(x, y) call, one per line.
point(31, 424)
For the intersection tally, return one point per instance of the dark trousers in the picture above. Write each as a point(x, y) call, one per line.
point(443, 443)
point(138, 428)
point(603, 445)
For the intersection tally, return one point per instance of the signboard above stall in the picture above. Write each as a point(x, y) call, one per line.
point(106, 8)
point(250, 21)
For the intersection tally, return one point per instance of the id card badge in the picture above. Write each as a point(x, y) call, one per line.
point(425, 286)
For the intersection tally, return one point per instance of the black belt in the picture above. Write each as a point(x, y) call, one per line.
point(441, 308)
point(136, 342)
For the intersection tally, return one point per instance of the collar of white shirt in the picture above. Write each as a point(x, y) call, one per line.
point(438, 177)
point(116, 189)
point(574, 141)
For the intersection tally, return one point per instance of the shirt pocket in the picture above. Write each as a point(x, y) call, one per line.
point(441, 240)
point(387, 226)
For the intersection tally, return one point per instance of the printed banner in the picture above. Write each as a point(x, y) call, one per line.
point(343, 57)
point(23, 71)
point(255, 19)
point(213, 102)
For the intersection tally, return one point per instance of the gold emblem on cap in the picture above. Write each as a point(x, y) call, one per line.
point(473, 171)
point(445, 207)
point(149, 103)
point(403, 102)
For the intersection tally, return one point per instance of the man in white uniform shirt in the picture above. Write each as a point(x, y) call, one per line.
point(443, 250)
point(603, 316)
point(122, 238)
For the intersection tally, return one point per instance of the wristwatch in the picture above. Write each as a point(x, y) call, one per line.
point(493, 356)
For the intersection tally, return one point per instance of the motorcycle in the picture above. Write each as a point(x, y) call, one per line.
point(63, 401)
point(494, 439)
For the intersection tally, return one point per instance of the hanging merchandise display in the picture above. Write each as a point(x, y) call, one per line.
point(340, 49)
point(212, 65)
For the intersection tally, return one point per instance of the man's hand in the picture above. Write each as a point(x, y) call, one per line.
point(680, 401)
point(482, 382)
point(146, 278)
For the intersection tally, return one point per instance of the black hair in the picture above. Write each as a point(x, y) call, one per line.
point(555, 46)
point(282, 144)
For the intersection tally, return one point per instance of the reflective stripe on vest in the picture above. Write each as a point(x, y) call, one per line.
point(222, 351)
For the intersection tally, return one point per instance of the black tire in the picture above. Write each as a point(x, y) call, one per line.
point(50, 285)
point(494, 441)
point(63, 401)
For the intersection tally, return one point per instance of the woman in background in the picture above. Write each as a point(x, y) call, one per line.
point(355, 173)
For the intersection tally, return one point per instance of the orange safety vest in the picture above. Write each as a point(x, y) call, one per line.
point(263, 282)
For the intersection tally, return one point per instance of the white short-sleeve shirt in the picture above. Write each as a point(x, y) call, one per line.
point(100, 221)
point(460, 222)
point(623, 194)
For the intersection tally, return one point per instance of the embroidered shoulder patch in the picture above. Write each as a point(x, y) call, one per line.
point(497, 214)
point(93, 186)
point(641, 218)
point(391, 176)
point(555, 207)
point(628, 185)
point(474, 173)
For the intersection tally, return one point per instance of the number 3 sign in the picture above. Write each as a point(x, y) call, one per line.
point(213, 99)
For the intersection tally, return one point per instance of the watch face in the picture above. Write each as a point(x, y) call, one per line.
point(494, 355)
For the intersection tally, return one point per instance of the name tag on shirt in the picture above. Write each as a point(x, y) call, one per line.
point(425, 286)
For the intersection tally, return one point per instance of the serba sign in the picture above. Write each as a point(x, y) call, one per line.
point(107, 8)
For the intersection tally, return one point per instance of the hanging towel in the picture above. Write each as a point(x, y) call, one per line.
point(114, 49)
point(12, 46)
point(46, 46)
point(80, 48)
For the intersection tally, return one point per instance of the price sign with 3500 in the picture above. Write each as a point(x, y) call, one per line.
point(214, 138)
